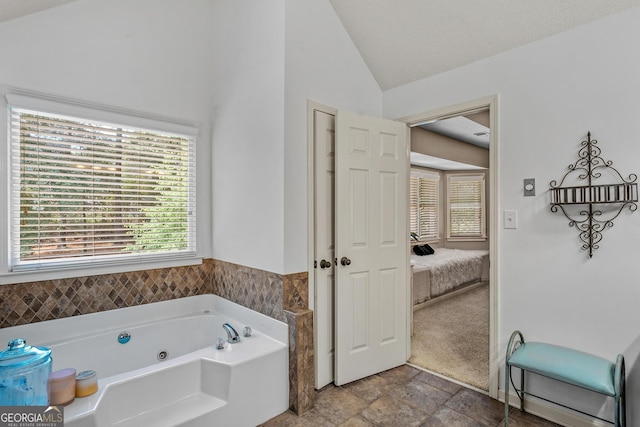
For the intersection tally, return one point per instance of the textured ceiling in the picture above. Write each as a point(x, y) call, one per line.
point(11, 9)
point(406, 40)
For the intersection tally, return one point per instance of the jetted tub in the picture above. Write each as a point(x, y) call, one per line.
point(170, 372)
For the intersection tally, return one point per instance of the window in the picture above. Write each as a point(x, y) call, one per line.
point(423, 197)
point(85, 190)
point(466, 206)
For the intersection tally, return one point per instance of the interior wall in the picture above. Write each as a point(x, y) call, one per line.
point(123, 54)
point(433, 144)
point(481, 117)
point(550, 94)
point(322, 65)
point(442, 242)
point(247, 98)
point(222, 66)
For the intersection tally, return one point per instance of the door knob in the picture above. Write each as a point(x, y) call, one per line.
point(325, 264)
point(345, 261)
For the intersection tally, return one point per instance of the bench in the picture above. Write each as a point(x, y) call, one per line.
point(569, 366)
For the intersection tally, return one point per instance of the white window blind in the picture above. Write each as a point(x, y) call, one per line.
point(89, 191)
point(423, 198)
point(466, 206)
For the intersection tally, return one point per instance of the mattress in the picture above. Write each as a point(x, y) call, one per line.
point(447, 270)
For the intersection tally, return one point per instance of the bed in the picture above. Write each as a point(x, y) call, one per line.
point(445, 271)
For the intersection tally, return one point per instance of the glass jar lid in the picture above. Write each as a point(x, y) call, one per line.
point(19, 355)
point(84, 375)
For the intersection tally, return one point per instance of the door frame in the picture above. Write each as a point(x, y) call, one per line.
point(313, 106)
point(490, 103)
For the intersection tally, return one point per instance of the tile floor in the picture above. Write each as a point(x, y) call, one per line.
point(404, 397)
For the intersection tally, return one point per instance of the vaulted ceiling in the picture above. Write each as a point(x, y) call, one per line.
point(11, 9)
point(406, 40)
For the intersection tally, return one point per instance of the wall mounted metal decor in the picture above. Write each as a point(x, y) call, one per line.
point(591, 208)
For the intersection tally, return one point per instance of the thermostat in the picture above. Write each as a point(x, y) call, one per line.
point(530, 187)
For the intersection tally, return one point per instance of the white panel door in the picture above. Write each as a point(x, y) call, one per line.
point(324, 162)
point(371, 245)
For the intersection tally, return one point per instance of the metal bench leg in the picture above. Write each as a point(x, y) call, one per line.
point(522, 389)
point(620, 398)
point(507, 375)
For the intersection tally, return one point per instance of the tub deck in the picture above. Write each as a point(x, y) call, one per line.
point(196, 385)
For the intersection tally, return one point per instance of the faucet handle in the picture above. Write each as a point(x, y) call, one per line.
point(246, 331)
point(220, 343)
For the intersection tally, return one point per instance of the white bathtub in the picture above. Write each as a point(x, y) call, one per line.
point(244, 384)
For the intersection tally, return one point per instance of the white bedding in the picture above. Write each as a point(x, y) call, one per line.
point(446, 270)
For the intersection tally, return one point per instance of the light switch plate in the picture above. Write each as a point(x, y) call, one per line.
point(510, 219)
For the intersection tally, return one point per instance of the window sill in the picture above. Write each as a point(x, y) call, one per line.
point(466, 239)
point(73, 272)
point(422, 242)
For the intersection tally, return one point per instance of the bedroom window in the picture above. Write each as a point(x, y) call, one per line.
point(423, 196)
point(466, 206)
point(86, 191)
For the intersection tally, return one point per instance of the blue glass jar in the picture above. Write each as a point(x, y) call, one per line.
point(24, 371)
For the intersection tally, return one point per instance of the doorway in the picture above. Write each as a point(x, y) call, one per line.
point(323, 328)
point(448, 212)
point(489, 104)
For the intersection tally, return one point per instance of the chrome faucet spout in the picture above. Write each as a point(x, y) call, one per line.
point(232, 334)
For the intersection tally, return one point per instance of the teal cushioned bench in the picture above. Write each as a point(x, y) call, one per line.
point(571, 366)
point(567, 365)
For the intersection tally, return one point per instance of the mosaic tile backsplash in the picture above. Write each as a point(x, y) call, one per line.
point(53, 299)
point(257, 289)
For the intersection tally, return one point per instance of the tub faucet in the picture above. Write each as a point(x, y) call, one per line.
point(232, 334)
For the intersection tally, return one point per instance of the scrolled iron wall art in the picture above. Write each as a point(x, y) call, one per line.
point(602, 203)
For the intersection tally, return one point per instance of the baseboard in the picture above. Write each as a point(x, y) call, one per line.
point(448, 295)
point(551, 412)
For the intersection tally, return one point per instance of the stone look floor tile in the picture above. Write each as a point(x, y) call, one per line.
point(518, 418)
point(338, 405)
point(388, 411)
point(400, 374)
point(420, 395)
point(284, 419)
point(433, 380)
point(370, 388)
point(289, 419)
point(446, 417)
point(357, 421)
point(404, 397)
point(478, 406)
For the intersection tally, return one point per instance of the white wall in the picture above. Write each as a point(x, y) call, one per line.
point(551, 93)
point(153, 56)
point(248, 133)
point(322, 65)
point(270, 59)
point(243, 71)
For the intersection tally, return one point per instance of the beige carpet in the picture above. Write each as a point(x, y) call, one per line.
point(451, 337)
